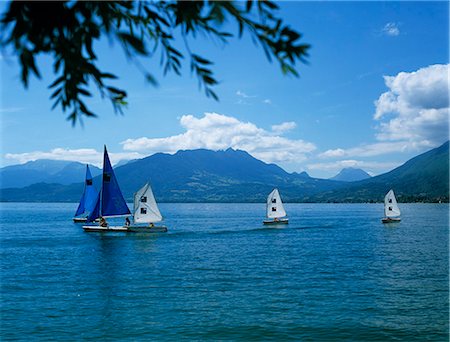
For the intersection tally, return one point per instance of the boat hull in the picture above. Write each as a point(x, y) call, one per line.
point(105, 229)
point(273, 222)
point(83, 220)
point(128, 229)
point(390, 220)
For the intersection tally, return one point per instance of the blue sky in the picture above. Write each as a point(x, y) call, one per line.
point(373, 94)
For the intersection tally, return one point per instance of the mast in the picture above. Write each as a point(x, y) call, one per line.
point(110, 201)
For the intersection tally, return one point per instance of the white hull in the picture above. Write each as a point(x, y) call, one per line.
point(129, 229)
point(273, 222)
point(105, 229)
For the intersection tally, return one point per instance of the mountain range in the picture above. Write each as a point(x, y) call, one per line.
point(235, 176)
point(44, 171)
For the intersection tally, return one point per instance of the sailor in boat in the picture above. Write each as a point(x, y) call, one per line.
point(103, 222)
point(127, 222)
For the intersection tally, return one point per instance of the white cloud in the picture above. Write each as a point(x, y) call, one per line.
point(215, 131)
point(267, 101)
point(83, 155)
point(412, 115)
point(376, 149)
point(284, 127)
point(337, 166)
point(336, 153)
point(391, 29)
point(416, 107)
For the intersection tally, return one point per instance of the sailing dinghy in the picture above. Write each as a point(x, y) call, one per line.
point(275, 209)
point(88, 199)
point(391, 209)
point(146, 211)
point(110, 201)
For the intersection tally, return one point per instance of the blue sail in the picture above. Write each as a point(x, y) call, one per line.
point(89, 196)
point(112, 201)
point(95, 213)
point(80, 209)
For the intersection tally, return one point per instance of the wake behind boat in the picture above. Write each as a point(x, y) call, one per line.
point(109, 202)
point(146, 210)
point(391, 209)
point(275, 210)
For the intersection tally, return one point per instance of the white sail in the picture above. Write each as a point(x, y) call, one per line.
point(145, 207)
point(275, 207)
point(391, 208)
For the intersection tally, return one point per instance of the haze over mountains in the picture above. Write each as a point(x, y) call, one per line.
point(44, 171)
point(235, 176)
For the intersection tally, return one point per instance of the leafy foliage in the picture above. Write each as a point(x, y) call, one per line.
point(67, 31)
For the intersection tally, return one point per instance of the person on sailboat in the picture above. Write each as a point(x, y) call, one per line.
point(127, 222)
point(103, 222)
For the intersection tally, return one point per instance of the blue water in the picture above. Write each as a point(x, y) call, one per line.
point(334, 273)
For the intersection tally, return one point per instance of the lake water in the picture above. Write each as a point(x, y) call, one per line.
point(334, 273)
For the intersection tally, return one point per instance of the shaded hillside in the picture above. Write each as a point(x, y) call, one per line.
point(422, 178)
point(195, 176)
point(235, 176)
point(217, 176)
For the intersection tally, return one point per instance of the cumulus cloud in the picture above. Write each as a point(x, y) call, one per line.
point(216, 131)
point(391, 29)
point(416, 106)
point(83, 155)
point(412, 115)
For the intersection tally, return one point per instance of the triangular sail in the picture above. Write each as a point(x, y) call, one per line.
point(89, 196)
point(145, 207)
point(95, 213)
point(274, 206)
point(112, 201)
point(391, 208)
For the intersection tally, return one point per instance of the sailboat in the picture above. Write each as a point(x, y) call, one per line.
point(146, 210)
point(391, 209)
point(87, 201)
point(275, 209)
point(109, 202)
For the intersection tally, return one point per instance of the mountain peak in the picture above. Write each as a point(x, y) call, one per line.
point(351, 174)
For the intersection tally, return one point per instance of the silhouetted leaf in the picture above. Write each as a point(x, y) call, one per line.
point(68, 30)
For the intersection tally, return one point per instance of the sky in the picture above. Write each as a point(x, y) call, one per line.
point(373, 94)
